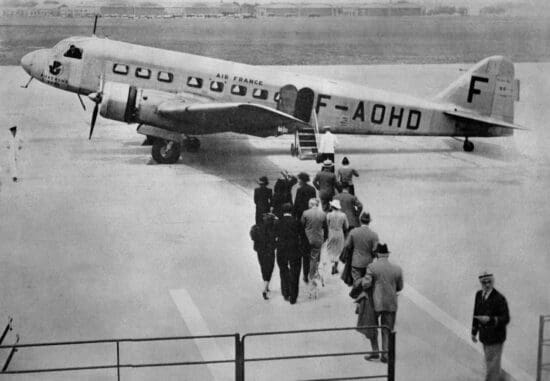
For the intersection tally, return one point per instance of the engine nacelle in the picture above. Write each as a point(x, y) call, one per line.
point(119, 102)
point(129, 104)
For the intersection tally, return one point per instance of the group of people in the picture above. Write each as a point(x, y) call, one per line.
point(327, 220)
point(297, 230)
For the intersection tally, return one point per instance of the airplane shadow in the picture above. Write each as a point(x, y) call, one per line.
point(496, 151)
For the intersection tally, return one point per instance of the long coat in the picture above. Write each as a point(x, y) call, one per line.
point(386, 279)
point(496, 307)
point(262, 199)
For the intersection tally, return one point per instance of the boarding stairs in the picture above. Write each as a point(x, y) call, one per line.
point(306, 140)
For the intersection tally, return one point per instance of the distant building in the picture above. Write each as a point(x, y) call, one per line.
point(277, 10)
point(317, 10)
point(79, 11)
point(401, 8)
point(130, 11)
point(45, 10)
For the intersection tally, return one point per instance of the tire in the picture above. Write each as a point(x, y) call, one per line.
point(468, 146)
point(166, 151)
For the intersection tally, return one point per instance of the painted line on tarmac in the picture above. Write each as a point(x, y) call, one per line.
point(208, 348)
point(458, 329)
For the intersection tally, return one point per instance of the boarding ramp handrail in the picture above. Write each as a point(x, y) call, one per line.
point(118, 366)
point(543, 342)
point(390, 375)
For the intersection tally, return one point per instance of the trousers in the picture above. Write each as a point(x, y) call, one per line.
point(289, 270)
point(493, 354)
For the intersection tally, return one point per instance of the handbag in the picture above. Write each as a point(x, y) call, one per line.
point(356, 291)
point(346, 274)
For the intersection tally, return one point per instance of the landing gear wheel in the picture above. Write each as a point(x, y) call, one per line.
point(468, 145)
point(166, 151)
point(192, 144)
point(293, 150)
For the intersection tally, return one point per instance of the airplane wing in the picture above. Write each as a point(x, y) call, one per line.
point(248, 118)
point(490, 122)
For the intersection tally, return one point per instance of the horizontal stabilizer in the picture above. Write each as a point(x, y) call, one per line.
point(493, 122)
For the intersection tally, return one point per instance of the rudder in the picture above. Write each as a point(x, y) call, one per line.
point(488, 88)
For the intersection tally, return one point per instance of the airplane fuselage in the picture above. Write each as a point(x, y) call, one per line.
point(347, 107)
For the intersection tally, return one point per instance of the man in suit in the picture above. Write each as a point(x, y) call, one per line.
point(386, 279)
point(304, 193)
point(362, 241)
point(326, 183)
point(287, 233)
point(314, 222)
point(262, 199)
point(490, 319)
point(351, 205)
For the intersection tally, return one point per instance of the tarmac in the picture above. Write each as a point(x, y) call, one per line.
point(96, 243)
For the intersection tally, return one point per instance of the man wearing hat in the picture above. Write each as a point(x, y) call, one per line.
point(362, 242)
point(386, 280)
point(325, 182)
point(304, 193)
point(282, 192)
point(262, 199)
point(13, 145)
point(327, 144)
point(490, 319)
point(351, 205)
point(287, 235)
point(314, 223)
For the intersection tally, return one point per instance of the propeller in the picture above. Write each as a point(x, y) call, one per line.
point(96, 98)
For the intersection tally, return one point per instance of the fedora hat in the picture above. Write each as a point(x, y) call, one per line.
point(485, 275)
point(382, 248)
point(336, 204)
point(263, 180)
point(365, 217)
point(327, 163)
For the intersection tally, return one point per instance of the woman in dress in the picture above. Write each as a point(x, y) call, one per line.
point(337, 224)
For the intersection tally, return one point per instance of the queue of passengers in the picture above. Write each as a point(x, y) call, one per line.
point(298, 229)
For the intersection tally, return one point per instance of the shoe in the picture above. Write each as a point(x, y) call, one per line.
point(14, 179)
point(264, 294)
point(286, 298)
point(372, 357)
point(306, 280)
point(384, 359)
point(292, 301)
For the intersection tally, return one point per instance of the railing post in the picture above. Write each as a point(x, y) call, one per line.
point(391, 356)
point(6, 330)
point(539, 352)
point(239, 358)
point(118, 360)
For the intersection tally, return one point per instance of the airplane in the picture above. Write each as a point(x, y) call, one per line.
point(174, 96)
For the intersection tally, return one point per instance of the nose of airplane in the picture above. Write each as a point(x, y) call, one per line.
point(34, 62)
point(27, 61)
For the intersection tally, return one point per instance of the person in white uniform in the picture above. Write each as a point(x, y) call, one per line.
point(327, 145)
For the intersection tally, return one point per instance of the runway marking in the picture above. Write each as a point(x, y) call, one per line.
point(208, 348)
point(459, 329)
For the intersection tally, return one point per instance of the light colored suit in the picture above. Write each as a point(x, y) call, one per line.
point(387, 280)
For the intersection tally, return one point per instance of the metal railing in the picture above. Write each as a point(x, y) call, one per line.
point(239, 358)
point(543, 342)
point(390, 353)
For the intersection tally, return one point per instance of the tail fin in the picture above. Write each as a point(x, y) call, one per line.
point(488, 89)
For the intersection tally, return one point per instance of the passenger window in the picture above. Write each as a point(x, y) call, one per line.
point(120, 69)
point(164, 76)
point(238, 90)
point(216, 86)
point(260, 94)
point(143, 73)
point(194, 82)
point(73, 52)
point(276, 97)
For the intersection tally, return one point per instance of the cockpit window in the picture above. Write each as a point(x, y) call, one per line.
point(73, 52)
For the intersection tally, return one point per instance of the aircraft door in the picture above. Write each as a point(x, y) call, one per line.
point(287, 99)
point(304, 104)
